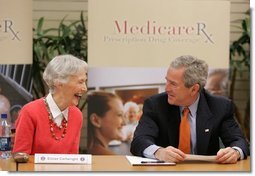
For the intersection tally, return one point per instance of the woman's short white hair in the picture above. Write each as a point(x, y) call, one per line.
point(60, 68)
point(130, 104)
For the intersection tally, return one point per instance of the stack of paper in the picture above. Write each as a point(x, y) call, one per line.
point(211, 158)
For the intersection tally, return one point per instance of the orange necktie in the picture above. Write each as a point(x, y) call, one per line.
point(184, 133)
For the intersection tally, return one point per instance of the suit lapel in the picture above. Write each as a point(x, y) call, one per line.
point(173, 125)
point(204, 124)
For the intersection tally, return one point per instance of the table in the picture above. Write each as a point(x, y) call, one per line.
point(120, 163)
point(7, 165)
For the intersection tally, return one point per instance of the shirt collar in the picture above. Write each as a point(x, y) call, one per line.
point(54, 109)
point(192, 107)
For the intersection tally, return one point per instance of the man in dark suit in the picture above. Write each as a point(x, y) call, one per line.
point(210, 118)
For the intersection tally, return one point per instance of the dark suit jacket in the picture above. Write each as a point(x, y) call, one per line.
point(160, 121)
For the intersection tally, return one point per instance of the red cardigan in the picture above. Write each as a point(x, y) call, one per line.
point(33, 131)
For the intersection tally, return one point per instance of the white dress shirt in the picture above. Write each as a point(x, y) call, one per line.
point(55, 111)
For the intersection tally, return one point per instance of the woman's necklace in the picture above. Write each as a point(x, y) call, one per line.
point(54, 125)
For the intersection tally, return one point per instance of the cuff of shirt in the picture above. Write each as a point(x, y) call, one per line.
point(240, 151)
point(149, 151)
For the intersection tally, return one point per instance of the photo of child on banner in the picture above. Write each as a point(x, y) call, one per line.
point(112, 119)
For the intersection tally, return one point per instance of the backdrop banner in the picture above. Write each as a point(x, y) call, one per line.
point(151, 33)
point(16, 32)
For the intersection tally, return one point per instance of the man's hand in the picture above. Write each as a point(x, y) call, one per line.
point(227, 156)
point(170, 154)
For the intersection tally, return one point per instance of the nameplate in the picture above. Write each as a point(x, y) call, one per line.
point(63, 158)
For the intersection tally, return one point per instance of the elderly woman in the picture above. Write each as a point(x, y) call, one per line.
point(52, 124)
point(131, 110)
point(105, 121)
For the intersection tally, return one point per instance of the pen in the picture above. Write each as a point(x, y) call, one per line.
point(158, 161)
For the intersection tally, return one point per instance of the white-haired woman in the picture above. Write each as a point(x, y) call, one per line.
point(131, 110)
point(52, 124)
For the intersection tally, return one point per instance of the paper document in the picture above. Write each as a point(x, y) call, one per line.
point(211, 158)
point(63, 158)
point(140, 161)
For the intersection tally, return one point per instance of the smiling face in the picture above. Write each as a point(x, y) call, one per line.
point(111, 123)
point(132, 114)
point(178, 93)
point(69, 93)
